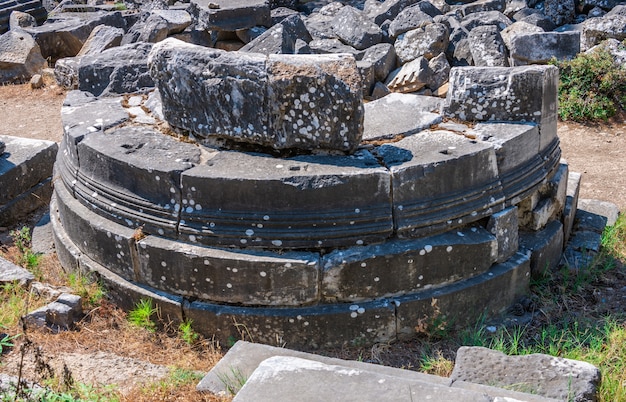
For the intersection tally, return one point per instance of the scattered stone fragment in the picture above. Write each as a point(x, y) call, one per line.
point(36, 81)
point(487, 47)
point(428, 42)
point(20, 57)
point(411, 77)
point(102, 37)
point(561, 12)
point(18, 19)
point(281, 38)
point(354, 29)
point(11, 273)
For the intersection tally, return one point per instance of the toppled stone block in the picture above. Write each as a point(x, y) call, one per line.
point(383, 59)
point(230, 15)
point(428, 42)
point(280, 38)
point(118, 70)
point(386, 10)
point(561, 12)
point(540, 47)
point(20, 57)
point(552, 377)
point(411, 77)
point(416, 16)
point(605, 209)
point(102, 37)
point(487, 47)
point(11, 273)
point(280, 101)
point(354, 29)
point(595, 30)
point(19, 19)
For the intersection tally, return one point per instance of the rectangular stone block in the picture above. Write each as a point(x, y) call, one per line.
point(398, 267)
point(545, 247)
point(550, 201)
point(505, 227)
point(571, 204)
point(515, 143)
point(312, 327)
point(463, 303)
point(441, 180)
point(230, 15)
point(229, 276)
point(521, 94)
point(540, 47)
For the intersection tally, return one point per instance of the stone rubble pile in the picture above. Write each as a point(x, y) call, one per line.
point(399, 45)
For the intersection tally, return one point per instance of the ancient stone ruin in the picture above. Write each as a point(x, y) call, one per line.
point(259, 197)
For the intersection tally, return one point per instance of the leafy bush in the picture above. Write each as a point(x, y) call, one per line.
point(592, 86)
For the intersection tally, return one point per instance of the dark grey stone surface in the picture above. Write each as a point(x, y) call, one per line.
point(280, 101)
point(549, 376)
point(606, 209)
point(302, 202)
point(11, 273)
point(387, 10)
point(229, 275)
point(20, 57)
point(571, 204)
point(102, 37)
point(540, 47)
point(383, 59)
point(428, 42)
point(487, 47)
point(399, 267)
point(280, 38)
point(353, 28)
point(545, 247)
point(429, 170)
point(415, 16)
point(118, 70)
point(230, 15)
point(504, 226)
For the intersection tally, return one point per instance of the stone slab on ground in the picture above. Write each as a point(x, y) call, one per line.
point(244, 357)
point(11, 273)
point(42, 240)
point(549, 376)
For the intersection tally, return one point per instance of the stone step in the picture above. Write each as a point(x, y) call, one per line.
point(264, 373)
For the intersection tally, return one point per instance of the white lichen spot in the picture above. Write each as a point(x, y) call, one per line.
point(277, 243)
point(354, 314)
point(449, 248)
point(359, 242)
point(192, 238)
point(428, 248)
point(249, 232)
point(229, 285)
point(376, 279)
point(263, 274)
point(163, 279)
point(360, 310)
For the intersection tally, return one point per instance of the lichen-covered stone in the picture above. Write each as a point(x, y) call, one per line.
point(280, 101)
point(428, 41)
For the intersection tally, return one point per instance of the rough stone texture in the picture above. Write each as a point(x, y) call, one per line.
point(603, 208)
point(440, 71)
point(504, 225)
point(11, 273)
point(506, 94)
point(383, 59)
point(545, 246)
point(32, 7)
point(18, 19)
point(100, 39)
point(117, 70)
point(279, 378)
point(280, 38)
point(486, 5)
point(323, 46)
point(65, 311)
point(42, 240)
point(548, 203)
point(561, 12)
point(230, 15)
point(2, 147)
point(549, 376)
point(400, 267)
point(150, 28)
point(25, 176)
point(20, 57)
point(571, 204)
point(416, 16)
point(261, 100)
point(595, 30)
point(65, 37)
point(428, 42)
point(399, 114)
point(540, 47)
point(386, 10)
point(496, 18)
point(354, 29)
point(66, 72)
point(487, 47)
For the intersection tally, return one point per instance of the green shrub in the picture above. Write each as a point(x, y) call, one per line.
point(592, 86)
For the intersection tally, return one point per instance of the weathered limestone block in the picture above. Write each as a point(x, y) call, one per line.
point(545, 247)
point(118, 70)
point(65, 37)
point(280, 38)
point(549, 376)
point(413, 17)
point(496, 18)
point(487, 47)
point(458, 50)
point(522, 94)
point(561, 12)
point(494, 291)
point(399, 267)
point(281, 102)
point(320, 25)
point(571, 204)
point(353, 28)
point(132, 176)
point(66, 72)
point(540, 47)
point(411, 77)
point(485, 5)
point(383, 59)
point(386, 10)
point(399, 114)
point(429, 170)
point(548, 203)
point(428, 42)
point(440, 68)
point(157, 25)
point(505, 227)
point(102, 37)
point(229, 276)
point(595, 30)
point(11, 273)
point(302, 202)
point(66, 311)
point(19, 19)
point(230, 15)
point(518, 28)
point(20, 57)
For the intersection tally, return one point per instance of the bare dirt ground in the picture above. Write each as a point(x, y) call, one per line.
point(597, 151)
